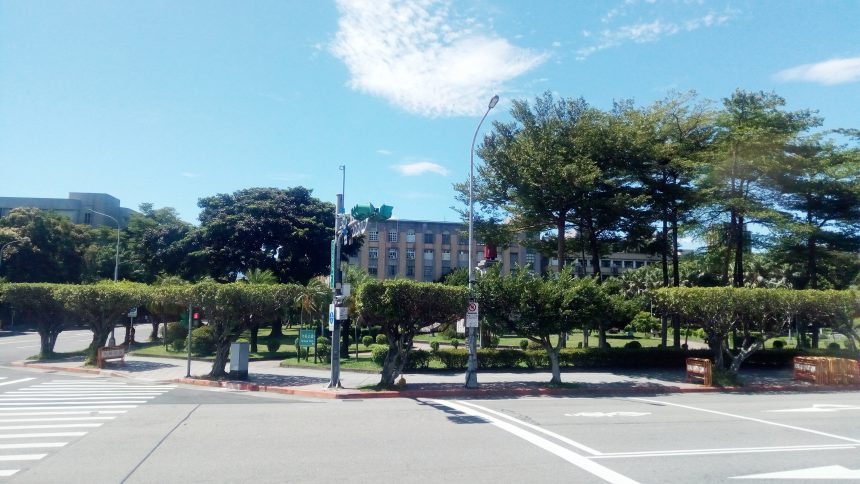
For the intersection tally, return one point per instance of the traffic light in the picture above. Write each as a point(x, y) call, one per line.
point(363, 212)
point(384, 212)
point(196, 317)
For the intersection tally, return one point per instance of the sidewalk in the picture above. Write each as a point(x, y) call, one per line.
point(269, 376)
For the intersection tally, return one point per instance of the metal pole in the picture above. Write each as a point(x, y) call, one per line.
point(334, 382)
point(472, 366)
point(112, 339)
point(188, 370)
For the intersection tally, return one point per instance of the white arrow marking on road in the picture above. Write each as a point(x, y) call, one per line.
point(826, 472)
point(823, 407)
point(607, 414)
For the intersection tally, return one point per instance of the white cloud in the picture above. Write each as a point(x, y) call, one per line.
point(421, 58)
point(188, 174)
point(383, 152)
point(420, 168)
point(556, 44)
point(829, 72)
point(643, 32)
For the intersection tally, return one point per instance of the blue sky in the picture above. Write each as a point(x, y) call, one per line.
point(170, 101)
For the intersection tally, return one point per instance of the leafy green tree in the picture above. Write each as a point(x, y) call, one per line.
point(752, 132)
point(285, 231)
point(51, 247)
point(402, 308)
point(156, 241)
point(101, 306)
point(818, 185)
point(226, 307)
point(265, 277)
point(168, 299)
point(36, 303)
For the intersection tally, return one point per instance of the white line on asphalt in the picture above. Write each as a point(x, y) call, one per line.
point(535, 427)
point(40, 435)
point(38, 445)
point(739, 450)
point(752, 419)
point(15, 381)
point(82, 412)
point(578, 460)
point(52, 419)
point(75, 403)
point(43, 386)
point(3, 398)
point(8, 458)
point(4, 410)
point(51, 426)
point(91, 394)
point(8, 472)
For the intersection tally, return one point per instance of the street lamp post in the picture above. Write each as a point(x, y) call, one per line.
point(112, 340)
point(472, 367)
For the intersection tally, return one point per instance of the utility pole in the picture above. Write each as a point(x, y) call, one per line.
point(337, 300)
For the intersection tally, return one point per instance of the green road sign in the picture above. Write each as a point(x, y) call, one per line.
point(307, 337)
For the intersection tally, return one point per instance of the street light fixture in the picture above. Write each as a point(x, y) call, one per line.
point(112, 340)
point(472, 367)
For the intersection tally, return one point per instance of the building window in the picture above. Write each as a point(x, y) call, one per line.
point(373, 235)
point(462, 256)
point(616, 263)
point(410, 254)
point(446, 237)
point(446, 255)
point(370, 270)
point(392, 253)
point(410, 271)
point(463, 240)
point(428, 237)
point(428, 254)
point(605, 263)
point(392, 271)
point(480, 255)
point(88, 219)
point(410, 236)
point(628, 264)
point(640, 263)
point(428, 273)
point(373, 253)
point(446, 268)
point(515, 258)
point(530, 259)
point(392, 236)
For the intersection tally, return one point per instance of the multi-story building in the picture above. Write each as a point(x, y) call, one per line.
point(77, 207)
point(426, 251)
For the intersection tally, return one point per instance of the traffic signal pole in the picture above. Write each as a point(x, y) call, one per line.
point(337, 299)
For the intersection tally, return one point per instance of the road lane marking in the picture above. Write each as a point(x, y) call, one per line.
point(607, 414)
point(738, 450)
point(90, 394)
point(8, 472)
point(50, 426)
point(578, 460)
point(37, 445)
point(52, 419)
point(554, 435)
point(74, 412)
point(9, 458)
point(3, 410)
point(70, 399)
point(12, 382)
point(751, 419)
point(75, 403)
point(816, 408)
point(40, 435)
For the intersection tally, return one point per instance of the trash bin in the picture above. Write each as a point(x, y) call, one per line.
point(239, 361)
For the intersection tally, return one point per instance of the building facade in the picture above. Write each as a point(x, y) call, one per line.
point(76, 208)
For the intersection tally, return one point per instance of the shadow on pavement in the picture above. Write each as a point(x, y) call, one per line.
point(284, 380)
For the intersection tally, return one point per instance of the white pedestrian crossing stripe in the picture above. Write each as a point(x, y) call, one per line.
point(61, 410)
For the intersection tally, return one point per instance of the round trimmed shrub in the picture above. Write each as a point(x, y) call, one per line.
point(378, 353)
point(176, 336)
point(524, 344)
point(455, 343)
point(367, 341)
point(381, 339)
point(202, 341)
point(633, 345)
point(434, 345)
point(273, 344)
point(834, 346)
point(778, 344)
point(494, 341)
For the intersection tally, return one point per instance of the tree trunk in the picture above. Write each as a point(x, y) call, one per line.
point(154, 335)
point(389, 367)
point(676, 331)
point(344, 338)
point(255, 331)
point(46, 346)
point(676, 274)
point(664, 249)
point(739, 253)
point(100, 336)
point(561, 251)
point(277, 324)
point(716, 344)
point(601, 336)
point(664, 327)
point(811, 268)
point(816, 330)
point(222, 353)
point(800, 329)
point(585, 332)
point(743, 354)
point(552, 353)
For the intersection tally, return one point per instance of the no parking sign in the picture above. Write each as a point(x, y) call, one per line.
point(472, 315)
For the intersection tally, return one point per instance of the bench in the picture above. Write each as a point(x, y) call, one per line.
point(109, 353)
point(700, 368)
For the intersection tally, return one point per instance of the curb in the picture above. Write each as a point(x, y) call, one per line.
point(70, 369)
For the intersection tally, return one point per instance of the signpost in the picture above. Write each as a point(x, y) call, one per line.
point(472, 315)
point(307, 337)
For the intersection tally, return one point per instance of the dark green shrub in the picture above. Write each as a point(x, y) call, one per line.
point(536, 359)
point(378, 353)
point(633, 345)
point(434, 345)
point(494, 341)
point(533, 345)
point(381, 339)
point(418, 358)
point(451, 358)
point(367, 341)
point(524, 344)
point(450, 331)
point(499, 358)
point(176, 337)
point(778, 344)
point(202, 341)
point(834, 346)
point(273, 344)
point(643, 322)
point(323, 349)
point(455, 343)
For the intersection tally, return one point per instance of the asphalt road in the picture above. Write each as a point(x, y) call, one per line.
point(175, 434)
point(21, 345)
